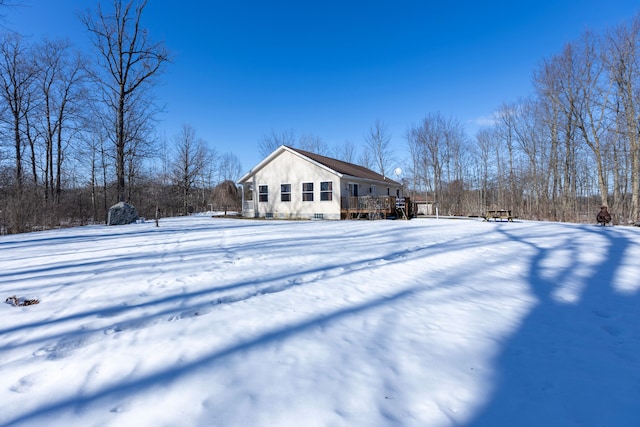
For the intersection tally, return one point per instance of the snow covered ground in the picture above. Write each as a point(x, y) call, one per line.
point(224, 322)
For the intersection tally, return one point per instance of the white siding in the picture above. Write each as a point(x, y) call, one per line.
point(287, 168)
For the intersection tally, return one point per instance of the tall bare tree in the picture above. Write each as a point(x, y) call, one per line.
point(17, 76)
point(189, 163)
point(430, 149)
point(378, 142)
point(60, 81)
point(622, 60)
point(558, 92)
point(592, 113)
point(128, 63)
point(485, 140)
point(506, 124)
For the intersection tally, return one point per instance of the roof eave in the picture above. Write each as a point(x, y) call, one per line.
point(359, 178)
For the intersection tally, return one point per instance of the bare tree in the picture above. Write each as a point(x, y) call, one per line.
point(230, 167)
point(17, 76)
point(93, 153)
point(622, 60)
point(272, 140)
point(455, 162)
point(437, 145)
point(591, 112)
point(345, 152)
point(190, 161)
point(415, 162)
point(61, 84)
point(428, 136)
point(314, 144)
point(486, 141)
point(366, 159)
point(523, 121)
point(210, 176)
point(127, 62)
point(142, 145)
point(378, 142)
point(506, 124)
point(557, 92)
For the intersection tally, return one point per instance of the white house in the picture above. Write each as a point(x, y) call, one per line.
point(292, 183)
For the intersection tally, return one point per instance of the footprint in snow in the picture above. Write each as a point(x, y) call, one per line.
point(24, 385)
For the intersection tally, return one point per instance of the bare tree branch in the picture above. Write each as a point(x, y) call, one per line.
point(128, 61)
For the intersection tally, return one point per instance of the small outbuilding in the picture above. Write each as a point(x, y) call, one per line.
point(292, 183)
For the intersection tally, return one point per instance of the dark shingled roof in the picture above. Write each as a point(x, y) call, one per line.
point(344, 168)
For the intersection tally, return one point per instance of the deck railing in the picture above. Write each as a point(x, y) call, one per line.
point(368, 203)
point(372, 206)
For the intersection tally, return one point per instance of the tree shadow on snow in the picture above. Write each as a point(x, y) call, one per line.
point(198, 301)
point(163, 307)
point(571, 362)
point(171, 374)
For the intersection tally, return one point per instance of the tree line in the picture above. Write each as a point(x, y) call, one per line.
point(559, 154)
point(78, 130)
point(78, 133)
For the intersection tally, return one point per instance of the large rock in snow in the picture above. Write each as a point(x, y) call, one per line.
point(122, 213)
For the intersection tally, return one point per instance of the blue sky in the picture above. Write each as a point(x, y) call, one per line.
point(332, 68)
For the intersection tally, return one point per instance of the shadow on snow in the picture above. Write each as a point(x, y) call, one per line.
point(571, 363)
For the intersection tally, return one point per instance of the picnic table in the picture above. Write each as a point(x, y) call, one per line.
point(498, 214)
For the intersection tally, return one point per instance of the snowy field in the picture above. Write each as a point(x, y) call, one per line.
point(223, 322)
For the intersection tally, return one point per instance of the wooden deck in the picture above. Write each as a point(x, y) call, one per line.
point(375, 207)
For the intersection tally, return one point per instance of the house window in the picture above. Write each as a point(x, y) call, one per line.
point(307, 191)
point(326, 190)
point(263, 193)
point(285, 192)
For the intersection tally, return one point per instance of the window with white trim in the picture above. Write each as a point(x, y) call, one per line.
point(263, 193)
point(285, 192)
point(326, 191)
point(307, 191)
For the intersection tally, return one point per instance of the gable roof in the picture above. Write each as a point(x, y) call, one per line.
point(344, 168)
point(338, 166)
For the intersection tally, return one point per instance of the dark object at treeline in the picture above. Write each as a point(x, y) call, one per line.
point(603, 217)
